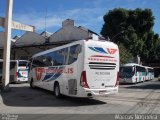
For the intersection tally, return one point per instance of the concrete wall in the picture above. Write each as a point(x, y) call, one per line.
point(31, 43)
point(30, 38)
point(68, 32)
point(28, 52)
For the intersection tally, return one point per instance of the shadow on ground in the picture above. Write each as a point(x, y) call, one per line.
point(126, 84)
point(25, 96)
point(146, 85)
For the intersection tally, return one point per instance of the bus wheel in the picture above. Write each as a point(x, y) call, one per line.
point(136, 81)
point(32, 84)
point(57, 90)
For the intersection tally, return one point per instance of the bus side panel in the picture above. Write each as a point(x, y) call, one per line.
point(74, 70)
point(81, 64)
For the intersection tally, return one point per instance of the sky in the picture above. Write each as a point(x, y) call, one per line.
point(86, 13)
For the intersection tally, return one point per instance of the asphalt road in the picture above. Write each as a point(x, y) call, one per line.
point(141, 98)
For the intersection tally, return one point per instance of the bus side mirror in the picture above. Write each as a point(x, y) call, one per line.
point(28, 64)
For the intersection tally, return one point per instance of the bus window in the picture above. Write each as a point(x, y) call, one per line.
point(140, 69)
point(57, 57)
point(126, 71)
point(73, 54)
point(22, 63)
point(48, 61)
point(65, 53)
point(39, 61)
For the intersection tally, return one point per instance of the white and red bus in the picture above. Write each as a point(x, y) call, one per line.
point(84, 68)
point(18, 70)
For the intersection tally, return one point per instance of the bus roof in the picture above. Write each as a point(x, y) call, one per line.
point(148, 67)
point(131, 64)
point(70, 44)
point(1, 60)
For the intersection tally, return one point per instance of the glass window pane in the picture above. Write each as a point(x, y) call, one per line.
point(73, 54)
point(22, 63)
point(39, 61)
point(57, 57)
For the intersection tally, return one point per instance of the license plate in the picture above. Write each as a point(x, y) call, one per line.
point(102, 92)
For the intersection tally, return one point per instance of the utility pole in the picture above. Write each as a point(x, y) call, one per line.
point(7, 46)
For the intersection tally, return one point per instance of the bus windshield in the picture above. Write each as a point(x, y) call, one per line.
point(126, 72)
point(22, 63)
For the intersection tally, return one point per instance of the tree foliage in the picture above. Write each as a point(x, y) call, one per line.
point(125, 55)
point(134, 30)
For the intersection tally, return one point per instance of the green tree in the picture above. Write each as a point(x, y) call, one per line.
point(115, 22)
point(125, 55)
point(134, 30)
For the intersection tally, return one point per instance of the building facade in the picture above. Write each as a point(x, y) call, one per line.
point(31, 43)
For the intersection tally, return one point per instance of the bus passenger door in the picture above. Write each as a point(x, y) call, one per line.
point(38, 71)
point(72, 69)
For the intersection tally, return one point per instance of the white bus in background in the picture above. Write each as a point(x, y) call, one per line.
point(132, 73)
point(149, 73)
point(85, 68)
point(18, 71)
point(152, 73)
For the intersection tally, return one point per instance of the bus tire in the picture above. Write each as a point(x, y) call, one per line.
point(32, 84)
point(57, 91)
point(136, 82)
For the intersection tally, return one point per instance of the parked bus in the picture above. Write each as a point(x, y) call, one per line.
point(84, 68)
point(149, 73)
point(132, 73)
point(18, 70)
point(152, 73)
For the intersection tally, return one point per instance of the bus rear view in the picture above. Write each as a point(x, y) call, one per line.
point(84, 68)
point(101, 68)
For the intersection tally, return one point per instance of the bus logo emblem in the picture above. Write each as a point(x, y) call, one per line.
point(101, 50)
point(39, 72)
point(111, 50)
